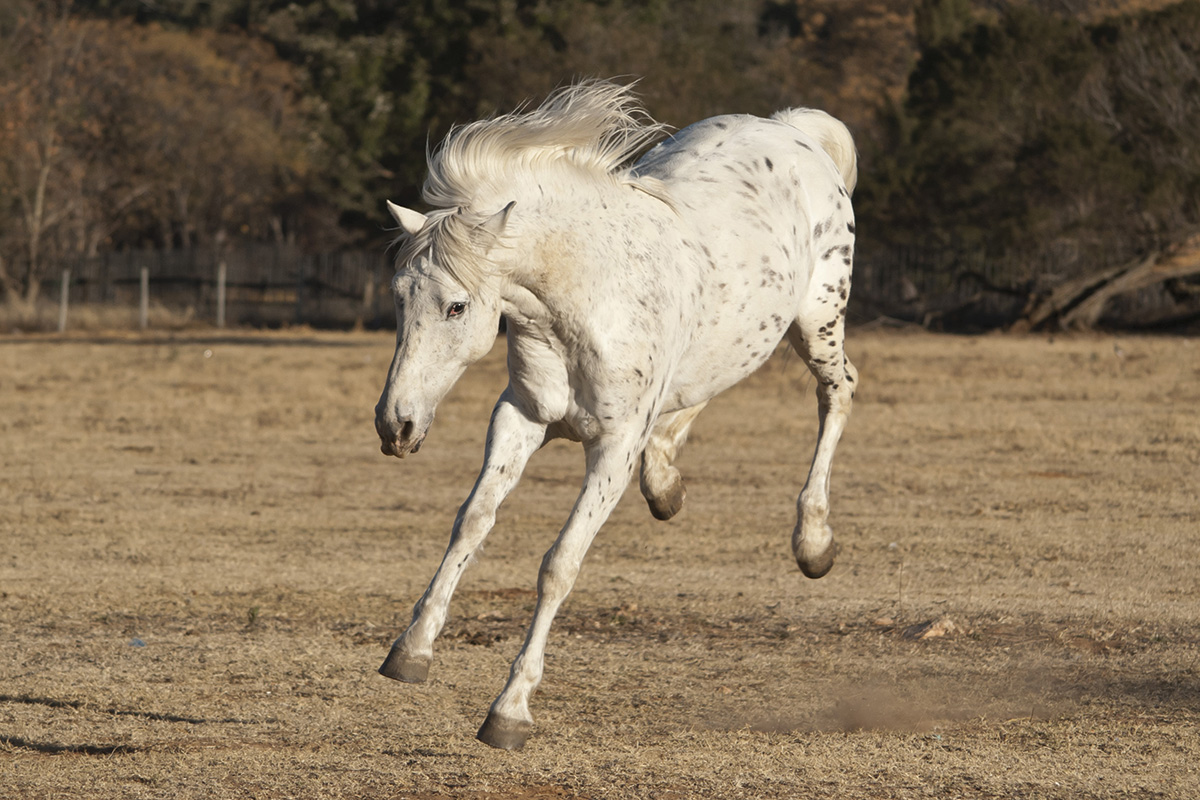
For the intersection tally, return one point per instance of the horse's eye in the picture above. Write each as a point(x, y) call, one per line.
point(455, 310)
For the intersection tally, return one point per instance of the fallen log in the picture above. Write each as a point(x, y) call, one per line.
point(1079, 304)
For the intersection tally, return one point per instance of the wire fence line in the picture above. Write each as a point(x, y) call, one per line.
point(274, 285)
point(256, 284)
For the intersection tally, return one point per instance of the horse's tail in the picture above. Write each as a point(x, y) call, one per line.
point(831, 133)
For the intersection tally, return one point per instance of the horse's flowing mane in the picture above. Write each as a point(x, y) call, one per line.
point(593, 128)
point(594, 125)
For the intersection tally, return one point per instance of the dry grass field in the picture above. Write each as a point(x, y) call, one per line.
point(204, 559)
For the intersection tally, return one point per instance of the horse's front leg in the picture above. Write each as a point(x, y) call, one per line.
point(609, 467)
point(512, 439)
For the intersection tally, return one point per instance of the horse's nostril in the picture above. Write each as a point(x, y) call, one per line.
point(407, 429)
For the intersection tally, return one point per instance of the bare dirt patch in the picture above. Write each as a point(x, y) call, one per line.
point(204, 559)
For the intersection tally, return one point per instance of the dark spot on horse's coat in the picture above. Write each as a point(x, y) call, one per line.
point(802, 144)
point(753, 189)
point(762, 326)
point(721, 125)
point(770, 166)
point(850, 227)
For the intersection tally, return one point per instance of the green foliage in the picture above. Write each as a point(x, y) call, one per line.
point(942, 21)
point(1036, 134)
point(1018, 131)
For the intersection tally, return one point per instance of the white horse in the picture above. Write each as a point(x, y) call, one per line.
point(632, 296)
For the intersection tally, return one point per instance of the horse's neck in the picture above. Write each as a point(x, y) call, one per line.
point(572, 235)
point(571, 260)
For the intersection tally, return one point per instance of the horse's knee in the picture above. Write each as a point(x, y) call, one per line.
point(557, 574)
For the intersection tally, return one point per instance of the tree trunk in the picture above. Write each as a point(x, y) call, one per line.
point(34, 222)
point(1079, 304)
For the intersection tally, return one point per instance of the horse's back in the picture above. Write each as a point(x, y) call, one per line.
point(760, 201)
point(701, 161)
point(756, 193)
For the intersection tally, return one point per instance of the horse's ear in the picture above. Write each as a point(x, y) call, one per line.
point(411, 221)
point(494, 226)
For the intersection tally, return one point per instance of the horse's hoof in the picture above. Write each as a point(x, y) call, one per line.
point(669, 503)
point(401, 667)
point(817, 566)
point(502, 733)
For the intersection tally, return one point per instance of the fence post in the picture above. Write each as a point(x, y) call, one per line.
point(144, 305)
point(64, 295)
point(368, 300)
point(221, 294)
point(300, 276)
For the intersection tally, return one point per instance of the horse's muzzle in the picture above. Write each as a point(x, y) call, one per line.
point(398, 440)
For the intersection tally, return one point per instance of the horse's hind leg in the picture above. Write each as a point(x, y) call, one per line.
point(661, 483)
point(820, 344)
